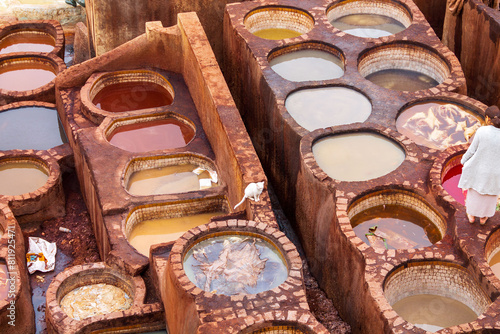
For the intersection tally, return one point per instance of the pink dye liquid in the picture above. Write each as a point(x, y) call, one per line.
point(127, 96)
point(149, 136)
point(25, 76)
point(450, 183)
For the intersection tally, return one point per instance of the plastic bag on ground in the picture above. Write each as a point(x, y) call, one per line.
point(41, 255)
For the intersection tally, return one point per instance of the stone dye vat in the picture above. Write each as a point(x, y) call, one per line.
point(151, 134)
point(435, 295)
point(412, 67)
point(437, 124)
point(315, 108)
point(357, 156)
point(107, 94)
point(370, 19)
point(396, 220)
point(33, 126)
point(28, 77)
point(164, 223)
point(95, 299)
point(307, 62)
point(492, 253)
point(226, 258)
point(32, 184)
point(4, 276)
point(170, 175)
point(32, 37)
point(21, 176)
point(117, 296)
point(273, 22)
point(231, 264)
point(27, 41)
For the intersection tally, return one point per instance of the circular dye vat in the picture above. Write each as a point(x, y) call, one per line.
point(33, 127)
point(17, 178)
point(357, 156)
point(95, 299)
point(433, 312)
point(308, 65)
point(155, 231)
point(317, 108)
point(160, 134)
point(234, 264)
point(4, 284)
point(403, 67)
point(277, 23)
point(433, 295)
point(169, 180)
point(128, 96)
point(27, 41)
point(395, 227)
point(436, 125)
point(25, 75)
point(450, 183)
point(402, 80)
point(368, 25)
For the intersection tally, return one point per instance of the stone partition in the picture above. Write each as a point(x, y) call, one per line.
point(352, 272)
point(472, 31)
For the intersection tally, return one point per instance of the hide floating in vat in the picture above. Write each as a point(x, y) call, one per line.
point(234, 264)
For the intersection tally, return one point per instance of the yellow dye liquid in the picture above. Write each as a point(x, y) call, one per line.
point(156, 231)
point(277, 33)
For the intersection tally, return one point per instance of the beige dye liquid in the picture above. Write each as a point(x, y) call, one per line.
point(156, 231)
point(276, 33)
point(329, 106)
point(495, 264)
point(368, 25)
point(308, 65)
point(357, 156)
point(433, 312)
point(165, 180)
point(21, 178)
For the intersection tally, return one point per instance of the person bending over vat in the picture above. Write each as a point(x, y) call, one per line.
point(480, 173)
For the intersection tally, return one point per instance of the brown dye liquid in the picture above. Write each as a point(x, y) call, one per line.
point(402, 80)
point(127, 96)
point(165, 180)
point(402, 227)
point(95, 299)
point(436, 124)
point(433, 312)
point(21, 178)
point(368, 25)
point(328, 106)
point(156, 231)
point(25, 76)
point(495, 264)
point(357, 156)
point(308, 65)
point(277, 33)
point(27, 41)
point(4, 284)
point(150, 136)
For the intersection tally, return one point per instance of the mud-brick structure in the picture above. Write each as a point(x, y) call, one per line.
point(180, 60)
point(472, 31)
point(363, 281)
